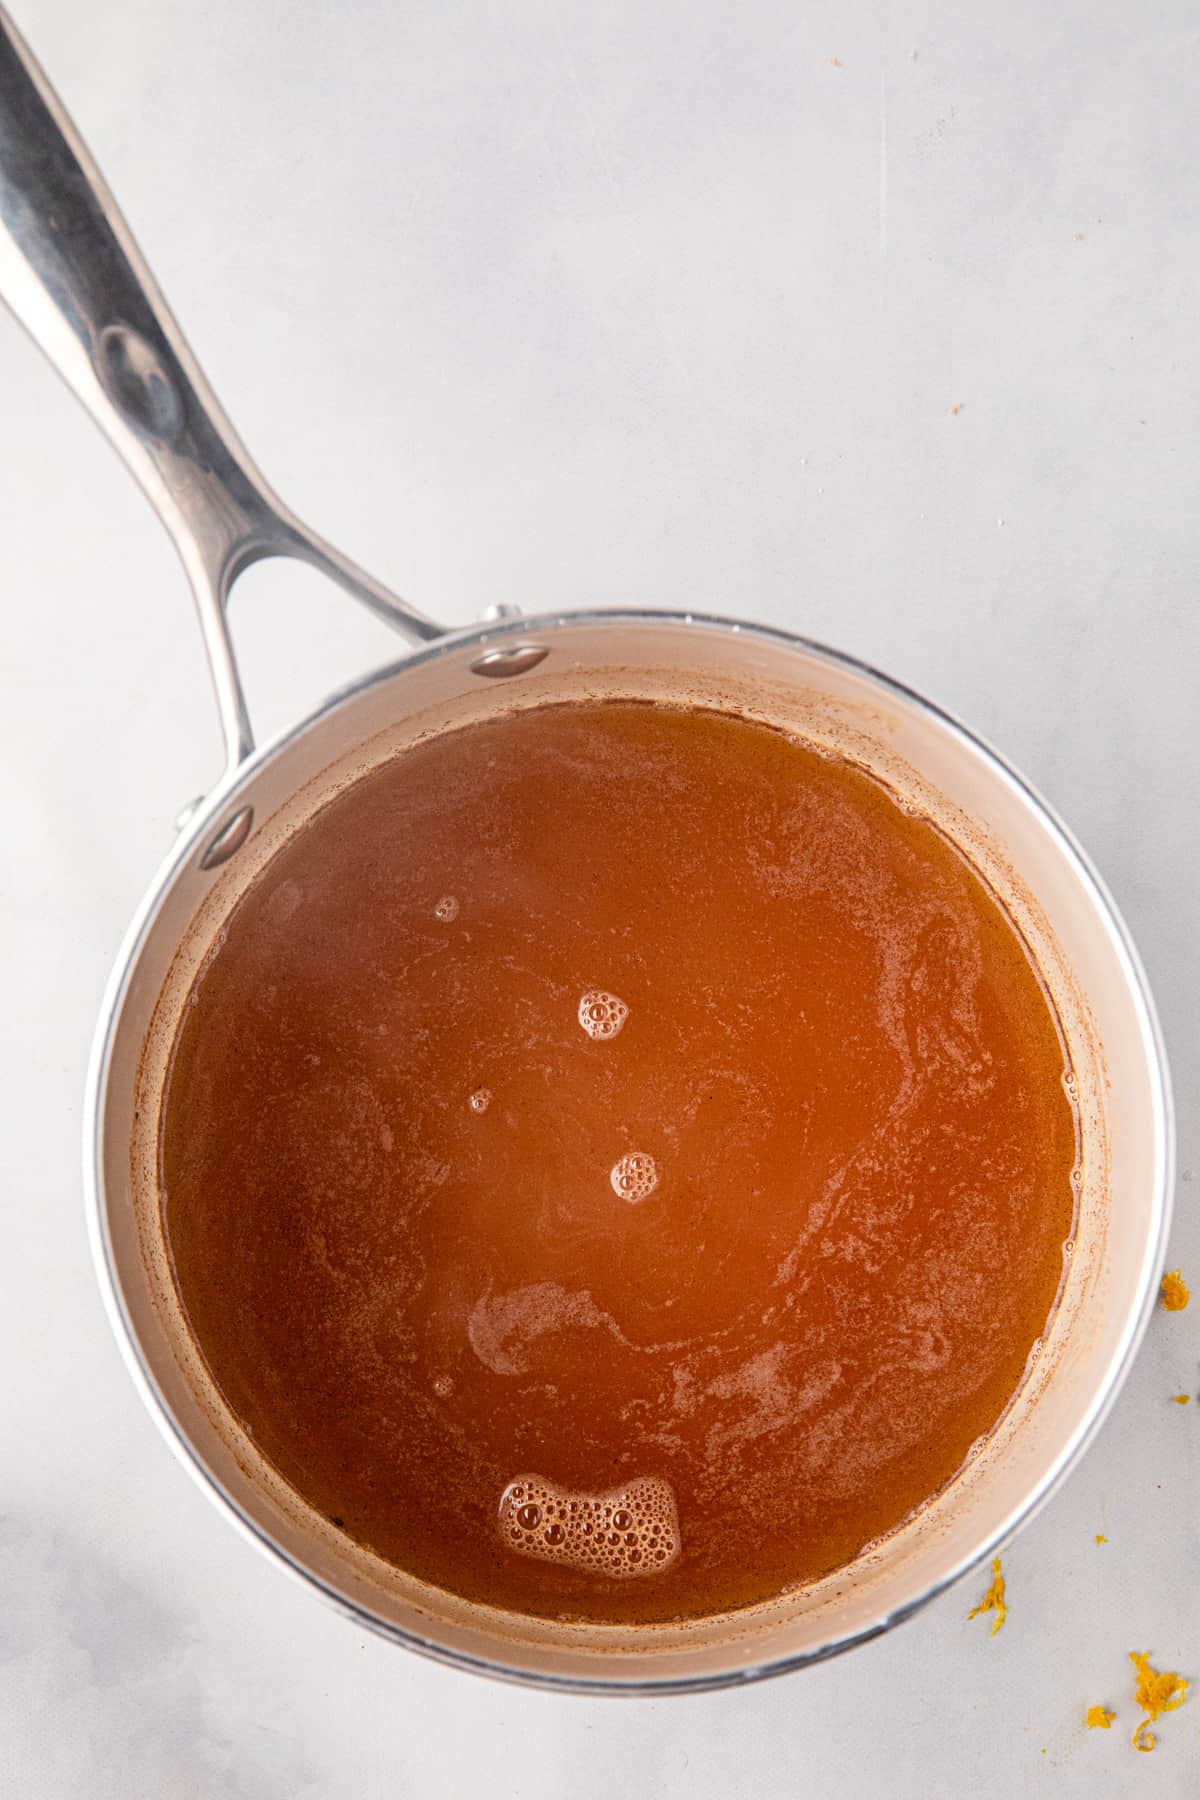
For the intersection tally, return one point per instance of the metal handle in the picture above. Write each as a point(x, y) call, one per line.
point(72, 274)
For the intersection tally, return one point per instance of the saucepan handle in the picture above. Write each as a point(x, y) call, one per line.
point(72, 274)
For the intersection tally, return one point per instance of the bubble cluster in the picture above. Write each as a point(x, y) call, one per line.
point(481, 1099)
point(602, 1015)
point(627, 1531)
point(446, 909)
point(634, 1177)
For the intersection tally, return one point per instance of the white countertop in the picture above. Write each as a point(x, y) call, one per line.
point(563, 304)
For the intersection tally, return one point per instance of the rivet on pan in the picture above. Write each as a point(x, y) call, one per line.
point(500, 609)
point(516, 659)
point(229, 839)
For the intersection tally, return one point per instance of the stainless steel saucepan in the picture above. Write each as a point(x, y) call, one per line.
point(72, 274)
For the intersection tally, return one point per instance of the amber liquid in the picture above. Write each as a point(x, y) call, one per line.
point(394, 1193)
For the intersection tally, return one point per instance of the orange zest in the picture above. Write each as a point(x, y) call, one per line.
point(1175, 1292)
point(1181, 1399)
point(1156, 1692)
point(993, 1600)
point(1097, 1717)
point(1100, 1538)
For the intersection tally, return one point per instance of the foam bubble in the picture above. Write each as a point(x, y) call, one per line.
point(1035, 1351)
point(624, 1532)
point(481, 1099)
point(634, 1177)
point(446, 909)
point(602, 1015)
point(283, 902)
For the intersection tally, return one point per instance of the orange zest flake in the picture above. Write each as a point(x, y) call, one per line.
point(1156, 1692)
point(1175, 1291)
point(1097, 1717)
point(1181, 1399)
point(993, 1600)
point(1100, 1538)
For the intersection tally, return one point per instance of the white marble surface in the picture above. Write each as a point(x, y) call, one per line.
point(570, 303)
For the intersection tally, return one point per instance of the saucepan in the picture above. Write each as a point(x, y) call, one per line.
point(72, 274)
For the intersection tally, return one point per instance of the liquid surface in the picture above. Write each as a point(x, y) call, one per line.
point(627, 1116)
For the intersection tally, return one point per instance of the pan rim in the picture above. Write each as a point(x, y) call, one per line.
point(490, 634)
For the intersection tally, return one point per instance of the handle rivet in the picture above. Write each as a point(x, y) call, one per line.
point(516, 659)
point(229, 839)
